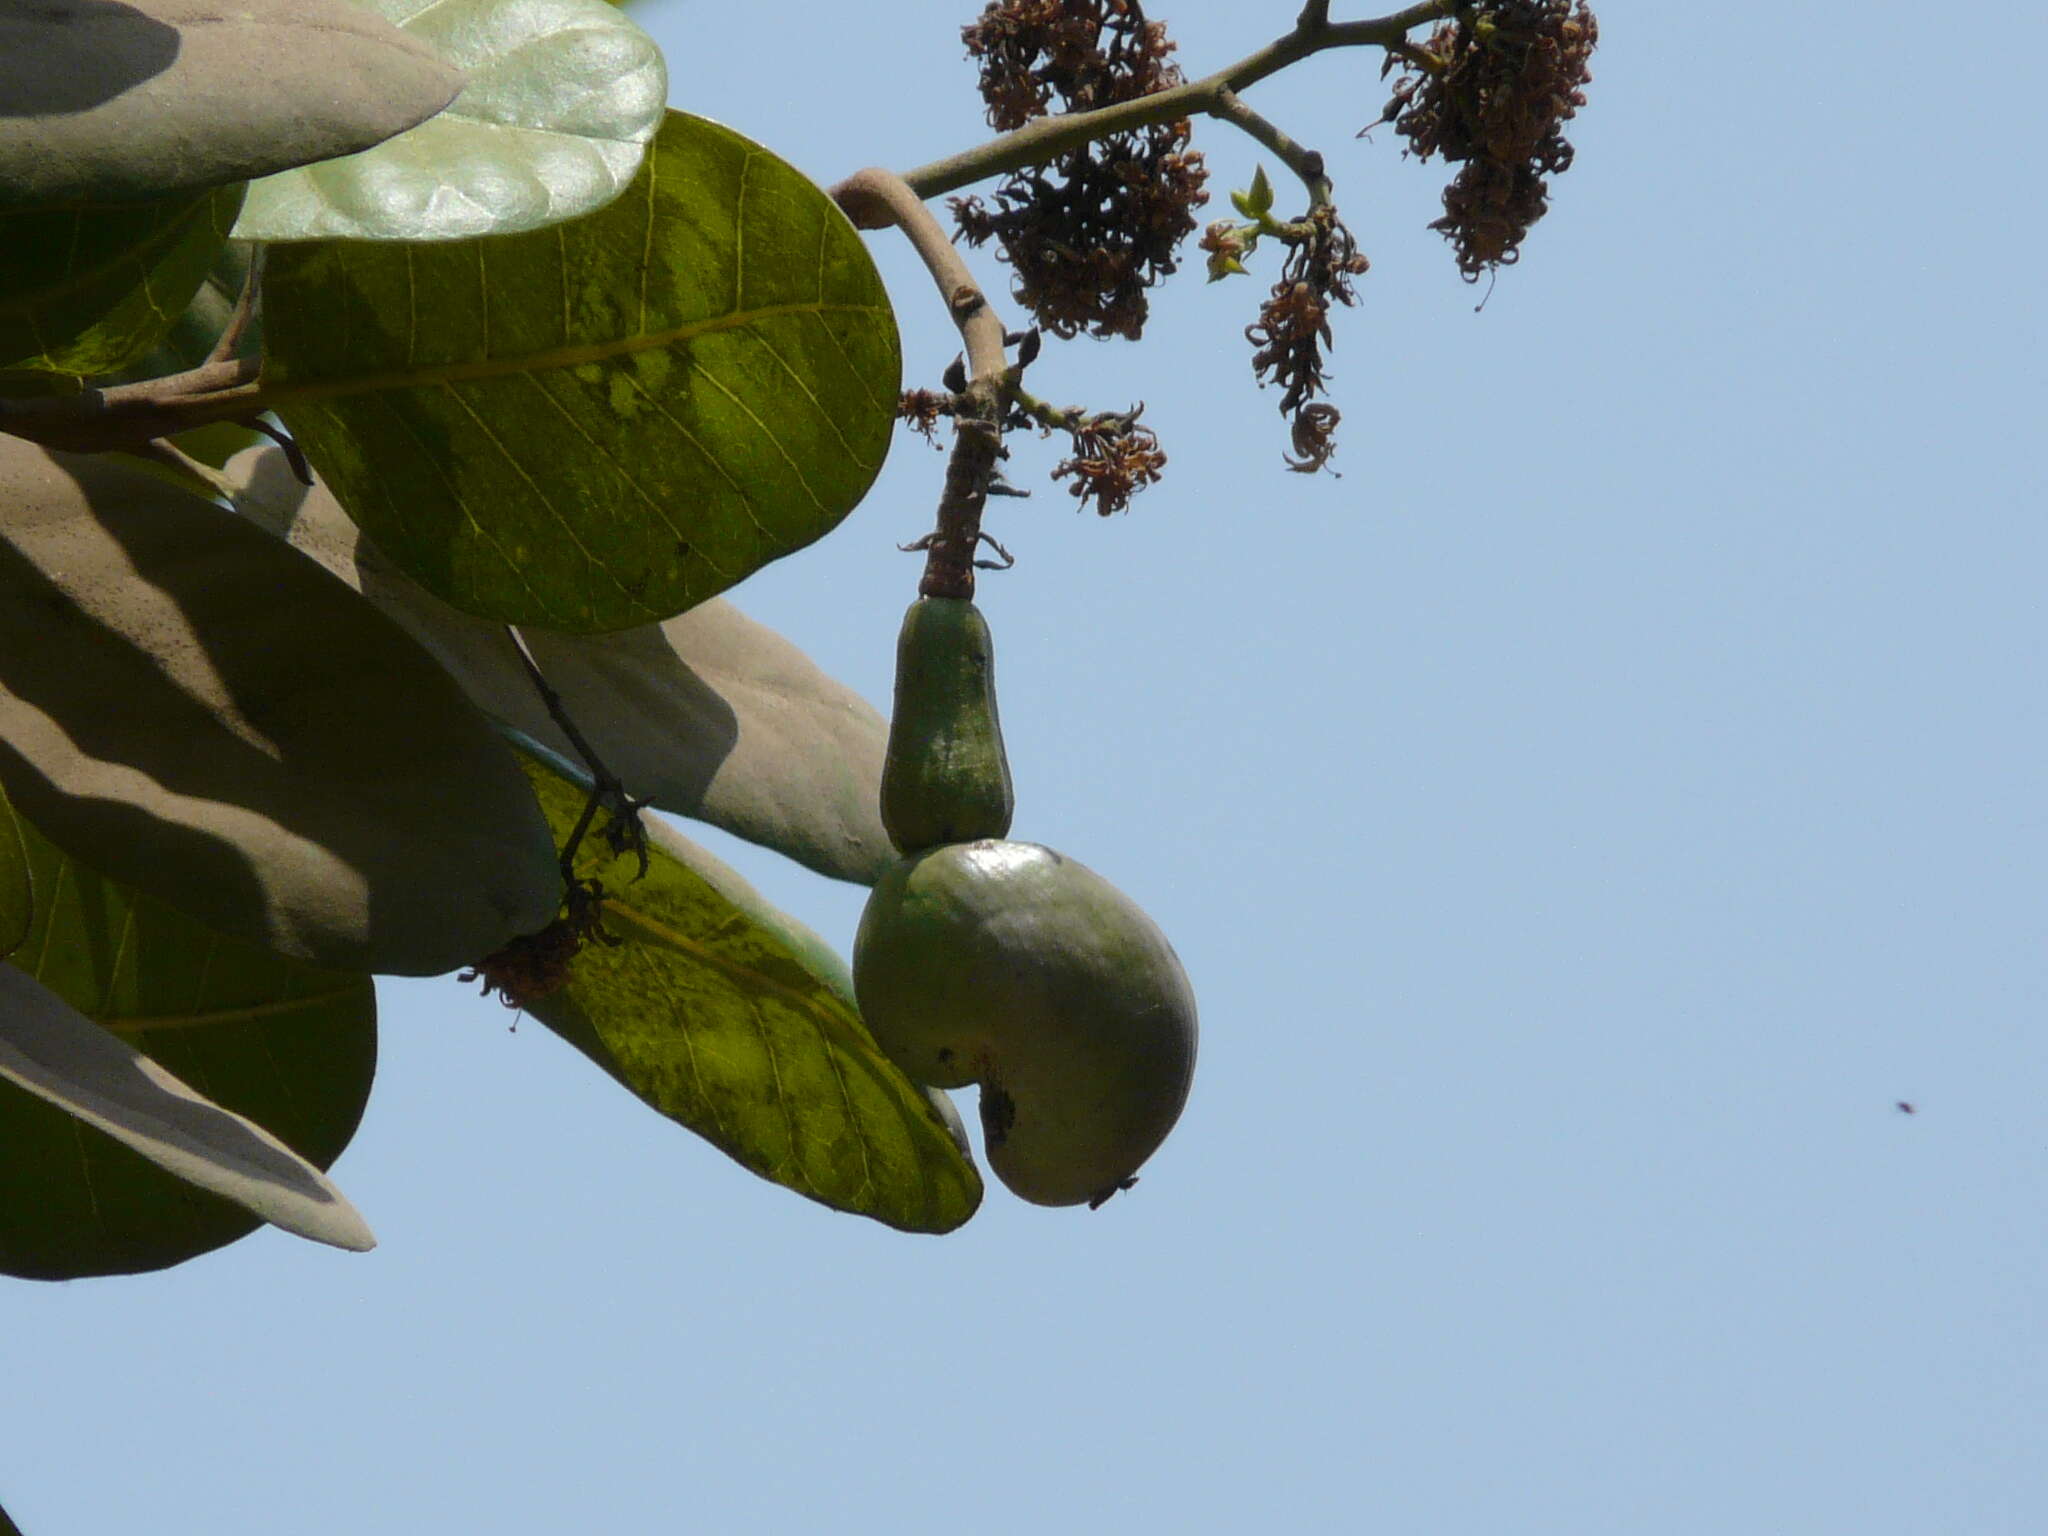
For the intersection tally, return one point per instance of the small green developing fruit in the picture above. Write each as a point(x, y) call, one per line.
point(945, 778)
point(1011, 966)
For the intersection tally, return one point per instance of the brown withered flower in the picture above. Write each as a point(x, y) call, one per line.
point(1315, 438)
point(923, 409)
point(1494, 90)
point(1294, 325)
point(1087, 233)
point(1115, 457)
point(536, 964)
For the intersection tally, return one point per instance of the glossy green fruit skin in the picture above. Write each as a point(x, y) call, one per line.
point(945, 778)
point(1010, 965)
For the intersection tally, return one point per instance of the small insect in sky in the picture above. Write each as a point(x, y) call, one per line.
point(1906, 1109)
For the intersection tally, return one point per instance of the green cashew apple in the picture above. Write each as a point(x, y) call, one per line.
point(945, 778)
point(1012, 966)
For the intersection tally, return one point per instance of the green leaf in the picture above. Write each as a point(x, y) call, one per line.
point(17, 891)
point(286, 1045)
point(604, 423)
point(198, 710)
point(112, 101)
point(90, 288)
point(53, 1051)
point(739, 1023)
point(707, 715)
point(563, 96)
point(1261, 196)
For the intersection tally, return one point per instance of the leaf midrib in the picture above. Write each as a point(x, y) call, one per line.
point(284, 394)
point(156, 1022)
point(652, 928)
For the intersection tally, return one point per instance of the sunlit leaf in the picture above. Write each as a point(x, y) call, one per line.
point(136, 100)
point(198, 710)
point(290, 1047)
point(563, 96)
point(708, 715)
point(89, 288)
point(604, 423)
point(739, 1023)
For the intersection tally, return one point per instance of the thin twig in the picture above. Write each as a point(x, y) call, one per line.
point(230, 340)
point(1047, 138)
point(606, 789)
point(126, 416)
point(1306, 163)
point(875, 199)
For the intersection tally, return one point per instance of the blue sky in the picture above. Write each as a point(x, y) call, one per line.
point(1582, 821)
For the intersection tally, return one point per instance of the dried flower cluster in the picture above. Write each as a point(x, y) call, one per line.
point(1496, 87)
point(1114, 458)
point(1088, 232)
point(535, 964)
point(1294, 326)
point(923, 409)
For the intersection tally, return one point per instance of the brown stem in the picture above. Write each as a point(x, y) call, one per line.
point(128, 416)
point(1306, 163)
point(1047, 138)
point(977, 447)
point(876, 199)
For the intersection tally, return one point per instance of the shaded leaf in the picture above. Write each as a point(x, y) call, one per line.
point(286, 1045)
point(17, 891)
point(708, 714)
point(737, 1022)
point(90, 288)
point(198, 710)
point(108, 101)
point(191, 337)
point(53, 1051)
point(563, 96)
point(603, 423)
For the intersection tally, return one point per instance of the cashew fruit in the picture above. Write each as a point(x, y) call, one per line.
point(945, 778)
point(1009, 965)
point(196, 709)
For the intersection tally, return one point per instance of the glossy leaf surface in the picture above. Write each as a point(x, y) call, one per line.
point(197, 709)
point(739, 1023)
point(563, 96)
point(108, 100)
point(89, 288)
point(601, 424)
point(289, 1046)
point(708, 714)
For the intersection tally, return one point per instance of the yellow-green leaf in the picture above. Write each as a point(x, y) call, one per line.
point(603, 423)
point(87, 289)
point(739, 1023)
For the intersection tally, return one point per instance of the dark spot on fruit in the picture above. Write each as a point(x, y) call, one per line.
point(945, 1054)
point(998, 1114)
